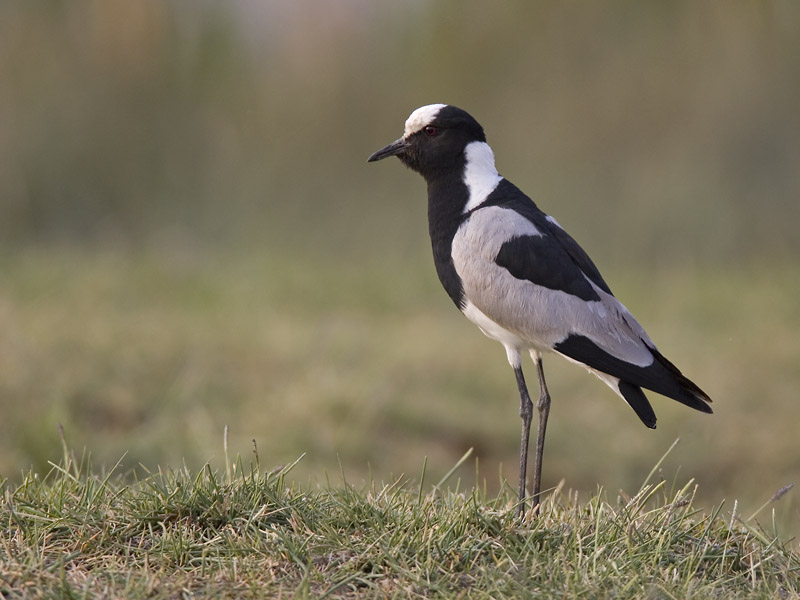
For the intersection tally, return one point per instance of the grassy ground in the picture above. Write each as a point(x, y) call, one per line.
point(245, 534)
point(364, 362)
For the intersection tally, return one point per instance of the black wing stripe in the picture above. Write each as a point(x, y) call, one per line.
point(507, 195)
point(580, 257)
point(541, 260)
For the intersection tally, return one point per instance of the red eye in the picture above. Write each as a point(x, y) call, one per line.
point(430, 130)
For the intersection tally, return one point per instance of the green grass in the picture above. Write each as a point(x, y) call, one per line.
point(78, 533)
point(364, 362)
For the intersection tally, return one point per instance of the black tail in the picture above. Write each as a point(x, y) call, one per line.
point(678, 387)
point(688, 393)
point(661, 377)
point(635, 397)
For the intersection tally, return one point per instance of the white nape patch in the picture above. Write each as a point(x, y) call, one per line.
point(480, 174)
point(511, 341)
point(554, 222)
point(421, 117)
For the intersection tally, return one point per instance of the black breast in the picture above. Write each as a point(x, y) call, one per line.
point(446, 200)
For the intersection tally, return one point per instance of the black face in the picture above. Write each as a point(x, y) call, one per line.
point(439, 146)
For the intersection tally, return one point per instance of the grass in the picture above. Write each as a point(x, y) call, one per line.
point(365, 363)
point(77, 533)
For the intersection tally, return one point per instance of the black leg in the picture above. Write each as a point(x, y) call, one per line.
point(543, 406)
point(526, 412)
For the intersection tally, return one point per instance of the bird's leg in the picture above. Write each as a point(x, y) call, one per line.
point(543, 406)
point(526, 412)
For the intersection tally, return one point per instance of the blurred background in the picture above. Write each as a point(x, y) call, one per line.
point(190, 236)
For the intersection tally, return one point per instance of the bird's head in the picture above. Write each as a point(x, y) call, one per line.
point(434, 140)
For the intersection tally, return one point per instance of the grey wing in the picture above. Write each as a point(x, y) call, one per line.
point(522, 278)
point(519, 275)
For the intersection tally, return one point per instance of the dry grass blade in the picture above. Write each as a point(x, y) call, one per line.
point(177, 533)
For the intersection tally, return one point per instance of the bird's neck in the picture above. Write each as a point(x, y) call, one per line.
point(455, 192)
point(479, 175)
point(452, 194)
point(447, 196)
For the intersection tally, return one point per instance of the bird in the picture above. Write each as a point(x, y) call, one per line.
point(523, 280)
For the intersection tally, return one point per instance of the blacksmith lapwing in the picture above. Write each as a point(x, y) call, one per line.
point(514, 272)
